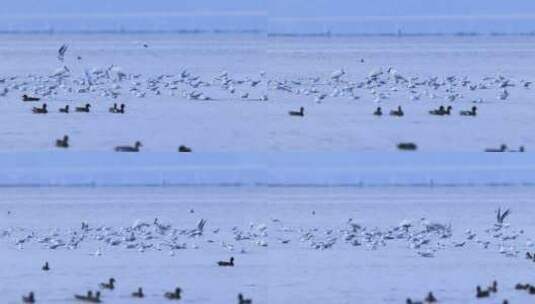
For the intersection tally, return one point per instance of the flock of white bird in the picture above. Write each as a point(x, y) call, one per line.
point(379, 85)
point(424, 237)
point(111, 82)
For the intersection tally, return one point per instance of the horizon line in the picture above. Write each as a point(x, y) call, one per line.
point(260, 32)
point(200, 13)
point(345, 19)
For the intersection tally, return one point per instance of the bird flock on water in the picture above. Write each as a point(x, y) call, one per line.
point(381, 85)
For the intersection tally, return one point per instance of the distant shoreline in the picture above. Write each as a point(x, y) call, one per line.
point(259, 32)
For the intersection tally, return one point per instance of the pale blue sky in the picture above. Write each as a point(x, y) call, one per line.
point(291, 16)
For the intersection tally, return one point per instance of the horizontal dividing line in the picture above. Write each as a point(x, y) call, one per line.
point(267, 185)
point(259, 32)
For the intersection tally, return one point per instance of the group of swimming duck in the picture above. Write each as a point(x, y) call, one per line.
point(84, 109)
point(94, 297)
point(409, 146)
point(480, 293)
point(64, 143)
point(441, 111)
point(176, 294)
